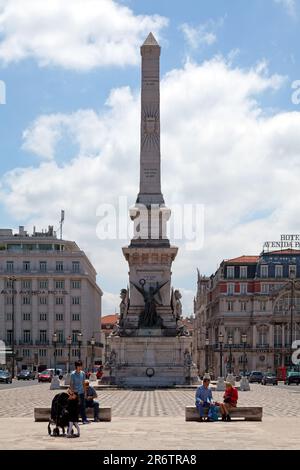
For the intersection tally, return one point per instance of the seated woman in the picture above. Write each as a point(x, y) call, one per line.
point(230, 401)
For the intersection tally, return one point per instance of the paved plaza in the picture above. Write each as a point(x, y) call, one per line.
point(154, 419)
point(276, 401)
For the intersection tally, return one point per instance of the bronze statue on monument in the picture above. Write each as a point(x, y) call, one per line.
point(149, 317)
point(124, 305)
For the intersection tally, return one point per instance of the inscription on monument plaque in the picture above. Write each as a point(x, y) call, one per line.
point(150, 173)
point(154, 276)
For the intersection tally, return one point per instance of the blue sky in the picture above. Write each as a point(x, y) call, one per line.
point(244, 34)
point(259, 29)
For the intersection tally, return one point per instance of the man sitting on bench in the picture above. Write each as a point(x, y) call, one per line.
point(203, 398)
point(90, 402)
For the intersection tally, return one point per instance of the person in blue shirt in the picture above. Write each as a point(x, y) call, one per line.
point(90, 402)
point(77, 385)
point(203, 398)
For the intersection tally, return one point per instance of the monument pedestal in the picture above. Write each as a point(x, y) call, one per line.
point(152, 361)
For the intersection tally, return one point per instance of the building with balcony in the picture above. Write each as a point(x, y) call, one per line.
point(254, 296)
point(49, 300)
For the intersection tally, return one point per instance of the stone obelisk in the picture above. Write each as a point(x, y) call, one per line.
point(150, 180)
point(150, 346)
point(150, 215)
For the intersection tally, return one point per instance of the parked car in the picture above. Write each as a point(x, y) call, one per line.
point(293, 378)
point(26, 375)
point(5, 377)
point(256, 377)
point(269, 378)
point(241, 374)
point(45, 376)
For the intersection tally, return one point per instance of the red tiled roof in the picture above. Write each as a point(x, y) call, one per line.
point(289, 251)
point(243, 259)
point(108, 319)
point(255, 259)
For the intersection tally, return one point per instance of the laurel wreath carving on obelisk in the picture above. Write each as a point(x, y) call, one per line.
point(150, 128)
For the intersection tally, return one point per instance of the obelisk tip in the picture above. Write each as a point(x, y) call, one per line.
point(150, 41)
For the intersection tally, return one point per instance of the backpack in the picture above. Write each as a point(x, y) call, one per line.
point(213, 413)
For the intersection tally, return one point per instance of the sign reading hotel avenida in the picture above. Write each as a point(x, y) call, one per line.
point(286, 241)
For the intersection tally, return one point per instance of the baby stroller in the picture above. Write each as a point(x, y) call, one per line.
point(59, 414)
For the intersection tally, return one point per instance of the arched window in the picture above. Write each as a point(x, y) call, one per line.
point(282, 305)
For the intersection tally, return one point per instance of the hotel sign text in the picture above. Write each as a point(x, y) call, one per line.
point(285, 242)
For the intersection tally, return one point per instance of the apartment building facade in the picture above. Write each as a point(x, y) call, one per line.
point(50, 303)
point(254, 303)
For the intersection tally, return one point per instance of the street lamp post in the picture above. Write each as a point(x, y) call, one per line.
point(54, 341)
point(12, 279)
point(244, 341)
point(79, 339)
point(206, 354)
point(230, 341)
point(55, 383)
point(221, 340)
point(69, 342)
point(244, 384)
point(220, 383)
point(93, 341)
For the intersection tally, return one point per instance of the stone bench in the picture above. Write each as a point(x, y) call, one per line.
point(249, 413)
point(43, 414)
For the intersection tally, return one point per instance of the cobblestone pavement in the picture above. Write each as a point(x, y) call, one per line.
point(18, 384)
point(161, 433)
point(277, 401)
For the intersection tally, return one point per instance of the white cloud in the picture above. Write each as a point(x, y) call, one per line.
point(85, 128)
point(73, 34)
point(202, 34)
point(289, 5)
point(219, 148)
point(110, 304)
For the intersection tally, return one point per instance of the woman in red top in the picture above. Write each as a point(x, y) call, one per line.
point(230, 401)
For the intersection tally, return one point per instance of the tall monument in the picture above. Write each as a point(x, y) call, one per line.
point(150, 346)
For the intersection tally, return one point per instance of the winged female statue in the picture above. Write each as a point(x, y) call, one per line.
point(149, 317)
